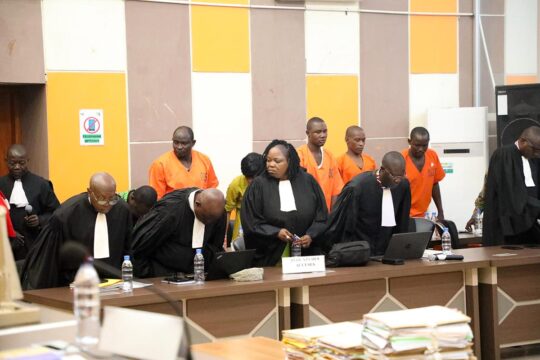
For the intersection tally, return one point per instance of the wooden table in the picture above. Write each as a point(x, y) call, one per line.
point(224, 308)
point(509, 290)
point(257, 348)
point(346, 294)
point(217, 309)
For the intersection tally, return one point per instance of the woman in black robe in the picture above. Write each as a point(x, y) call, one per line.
point(271, 219)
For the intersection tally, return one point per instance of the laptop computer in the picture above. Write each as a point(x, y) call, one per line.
point(406, 246)
point(227, 263)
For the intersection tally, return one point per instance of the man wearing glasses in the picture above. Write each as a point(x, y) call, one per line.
point(31, 200)
point(97, 219)
point(511, 202)
point(372, 206)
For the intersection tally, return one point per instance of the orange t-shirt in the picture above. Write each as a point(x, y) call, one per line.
point(422, 182)
point(167, 173)
point(348, 168)
point(327, 175)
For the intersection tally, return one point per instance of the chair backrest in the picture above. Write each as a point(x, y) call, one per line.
point(421, 225)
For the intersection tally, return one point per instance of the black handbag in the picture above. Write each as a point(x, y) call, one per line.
point(353, 253)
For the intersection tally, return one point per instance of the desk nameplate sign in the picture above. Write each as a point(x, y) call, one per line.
point(303, 264)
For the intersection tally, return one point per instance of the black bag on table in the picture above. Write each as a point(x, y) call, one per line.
point(352, 253)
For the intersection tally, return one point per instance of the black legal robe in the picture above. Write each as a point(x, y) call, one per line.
point(262, 218)
point(40, 195)
point(162, 239)
point(358, 211)
point(510, 208)
point(75, 221)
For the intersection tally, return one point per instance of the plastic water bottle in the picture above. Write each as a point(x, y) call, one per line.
point(446, 242)
point(296, 249)
point(478, 220)
point(434, 216)
point(427, 216)
point(127, 275)
point(240, 231)
point(86, 305)
point(198, 267)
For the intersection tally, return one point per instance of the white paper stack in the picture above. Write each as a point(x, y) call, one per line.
point(433, 332)
point(339, 341)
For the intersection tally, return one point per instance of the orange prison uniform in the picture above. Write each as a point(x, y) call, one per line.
point(422, 182)
point(327, 175)
point(167, 173)
point(348, 168)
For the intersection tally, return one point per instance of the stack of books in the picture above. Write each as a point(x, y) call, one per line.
point(433, 332)
point(339, 341)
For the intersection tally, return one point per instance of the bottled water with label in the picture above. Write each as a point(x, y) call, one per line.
point(446, 242)
point(478, 222)
point(296, 249)
point(198, 267)
point(127, 275)
point(86, 306)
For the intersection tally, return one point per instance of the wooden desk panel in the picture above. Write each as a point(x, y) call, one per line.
point(257, 348)
point(509, 298)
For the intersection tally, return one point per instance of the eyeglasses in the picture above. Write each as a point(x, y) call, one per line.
point(104, 202)
point(12, 163)
point(395, 178)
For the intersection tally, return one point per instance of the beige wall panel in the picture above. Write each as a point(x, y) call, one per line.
point(466, 51)
point(21, 42)
point(159, 69)
point(384, 74)
point(278, 74)
point(141, 156)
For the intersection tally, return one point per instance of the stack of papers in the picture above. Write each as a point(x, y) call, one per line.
point(339, 341)
point(431, 332)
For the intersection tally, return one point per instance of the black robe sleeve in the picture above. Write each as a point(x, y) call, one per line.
point(48, 202)
point(318, 226)
point(42, 266)
point(253, 220)
point(403, 207)
point(508, 209)
point(150, 234)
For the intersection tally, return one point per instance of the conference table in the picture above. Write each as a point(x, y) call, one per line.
point(504, 309)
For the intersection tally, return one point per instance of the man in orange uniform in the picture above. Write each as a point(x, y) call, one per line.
point(319, 162)
point(354, 161)
point(424, 171)
point(182, 167)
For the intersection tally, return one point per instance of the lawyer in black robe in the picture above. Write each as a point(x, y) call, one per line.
point(41, 197)
point(511, 208)
point(75, 221)
point(162, 239)
point(262, 218)
point(357, 213)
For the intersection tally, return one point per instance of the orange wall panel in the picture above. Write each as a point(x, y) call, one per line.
point(433, 39)
point(70, 164)
point(520, 79)
point(333, 98)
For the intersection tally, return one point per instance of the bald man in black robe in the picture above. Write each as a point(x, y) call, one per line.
point(164, 241)
point(512, 201)
point(358, 212)
point(79, 219)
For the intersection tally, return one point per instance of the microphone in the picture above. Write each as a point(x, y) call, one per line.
point(73, 254)
point(28, 208)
